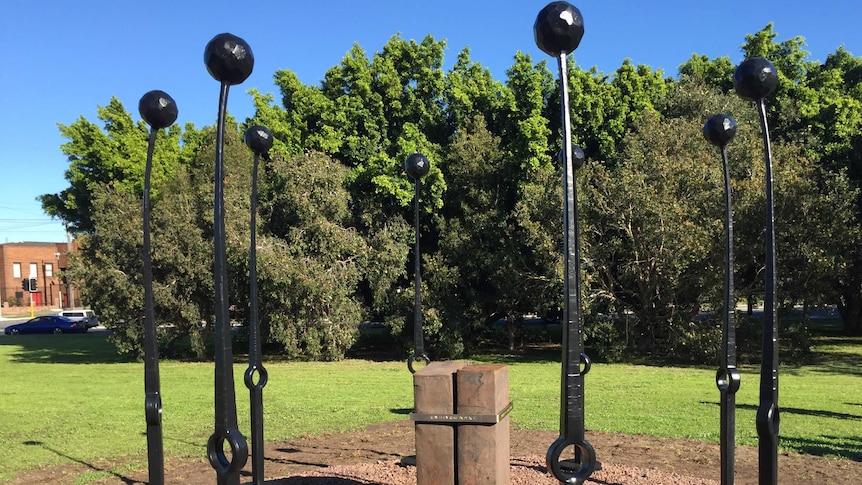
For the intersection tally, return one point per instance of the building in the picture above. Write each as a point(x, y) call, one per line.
point(42, 261)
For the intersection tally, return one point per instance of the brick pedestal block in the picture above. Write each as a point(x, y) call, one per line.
point(434, 393)
point(462, 424)
point(483, 450)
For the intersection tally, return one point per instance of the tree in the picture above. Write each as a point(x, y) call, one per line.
point(311, 260)
point(486, 267)
point(650, 226)
point(817, 108)
point(113, 157)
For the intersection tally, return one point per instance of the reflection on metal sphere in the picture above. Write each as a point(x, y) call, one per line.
point(559, 28)
point(719, 129)
point(258, 139)
point(158, 109)
point(578, 157)
point(228, 59)
point(756, 78)
point(417, 165)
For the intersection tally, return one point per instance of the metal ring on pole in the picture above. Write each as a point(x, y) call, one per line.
point(417, 166)
point(413, 358)
point(259, 140)
point(558, 467)
point(558, 30)
point(755, 79)
point(158, 110)
point(720, 130)
point(230, 61)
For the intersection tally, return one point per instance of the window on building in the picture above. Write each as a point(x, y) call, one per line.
point(34, 269)
point(16, 270)
point(49, 270)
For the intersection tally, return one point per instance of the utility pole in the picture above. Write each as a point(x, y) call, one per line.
point(69, 286)
point(59, 283)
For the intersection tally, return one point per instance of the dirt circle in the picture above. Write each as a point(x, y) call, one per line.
point(523, 471)
point(374, 456)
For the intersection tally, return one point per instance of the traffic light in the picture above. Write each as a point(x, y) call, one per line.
point(25, 284)
point(33, 286)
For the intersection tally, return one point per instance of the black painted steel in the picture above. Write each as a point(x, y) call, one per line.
point(558, 30)
point(159, 110)
point(755, 79)
point(417, 166)
point(719, 130)
point(259, 140)
point(230, 61)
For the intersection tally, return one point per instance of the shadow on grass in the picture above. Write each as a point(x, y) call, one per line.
point(87, 348)
point(802, 412)
point(837, 446)
point(92, 467)
point(830, 446)
point(840, 363)
point(528, 354)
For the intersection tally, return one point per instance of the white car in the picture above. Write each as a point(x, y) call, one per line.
point(88, 316)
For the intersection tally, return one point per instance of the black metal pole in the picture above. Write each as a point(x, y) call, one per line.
point(418, 338)
point(159, 110)
point(719, 130)
point(229, 60)
point(259, 139)
point(417, 165)
point(558, 31)
point(755, 79)
point(767, 411)
point(152, 383)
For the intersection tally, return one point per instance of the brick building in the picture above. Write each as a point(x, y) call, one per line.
point(40, 260)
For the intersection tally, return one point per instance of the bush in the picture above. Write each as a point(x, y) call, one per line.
point(12, 301)
point(794, 338)
point(604, 338)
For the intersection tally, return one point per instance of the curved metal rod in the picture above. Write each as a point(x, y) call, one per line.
point(152, 386)
point(418, 336)
point(226, 430)
point(255, 361)
point(767, 419)
point(413, 358)
point(572, 380)
point(727, 377)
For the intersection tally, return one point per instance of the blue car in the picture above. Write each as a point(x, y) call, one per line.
point(47, 324)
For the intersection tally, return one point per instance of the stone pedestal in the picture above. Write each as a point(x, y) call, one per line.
point(462, 424)
point(434, 394)
point(483, 449)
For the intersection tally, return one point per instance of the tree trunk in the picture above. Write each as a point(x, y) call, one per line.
point(850, 309)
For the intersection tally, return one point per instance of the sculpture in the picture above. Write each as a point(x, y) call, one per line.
point(558, 30)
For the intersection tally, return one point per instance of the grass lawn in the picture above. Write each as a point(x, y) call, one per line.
point(71, 398)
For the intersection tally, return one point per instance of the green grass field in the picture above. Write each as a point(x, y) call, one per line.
point(70, 398)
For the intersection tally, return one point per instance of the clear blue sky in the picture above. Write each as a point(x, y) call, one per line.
point(63, 58)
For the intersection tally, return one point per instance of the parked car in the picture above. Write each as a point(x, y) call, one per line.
point(47, 324)
point(89, 317)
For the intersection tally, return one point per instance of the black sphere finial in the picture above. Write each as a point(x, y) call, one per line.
point(578, 157)
point(755, 79)
point(258, 139)
point(158, 109)
point(559, 28)
point(228, 59)
point(719, 129)
point(417, 165)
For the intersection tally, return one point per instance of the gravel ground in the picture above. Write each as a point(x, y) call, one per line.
point(372, 456)
point(524, 471)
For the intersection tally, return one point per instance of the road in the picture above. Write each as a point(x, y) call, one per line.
point(5, 322)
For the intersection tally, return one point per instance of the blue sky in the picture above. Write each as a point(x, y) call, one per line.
point(62, 59)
